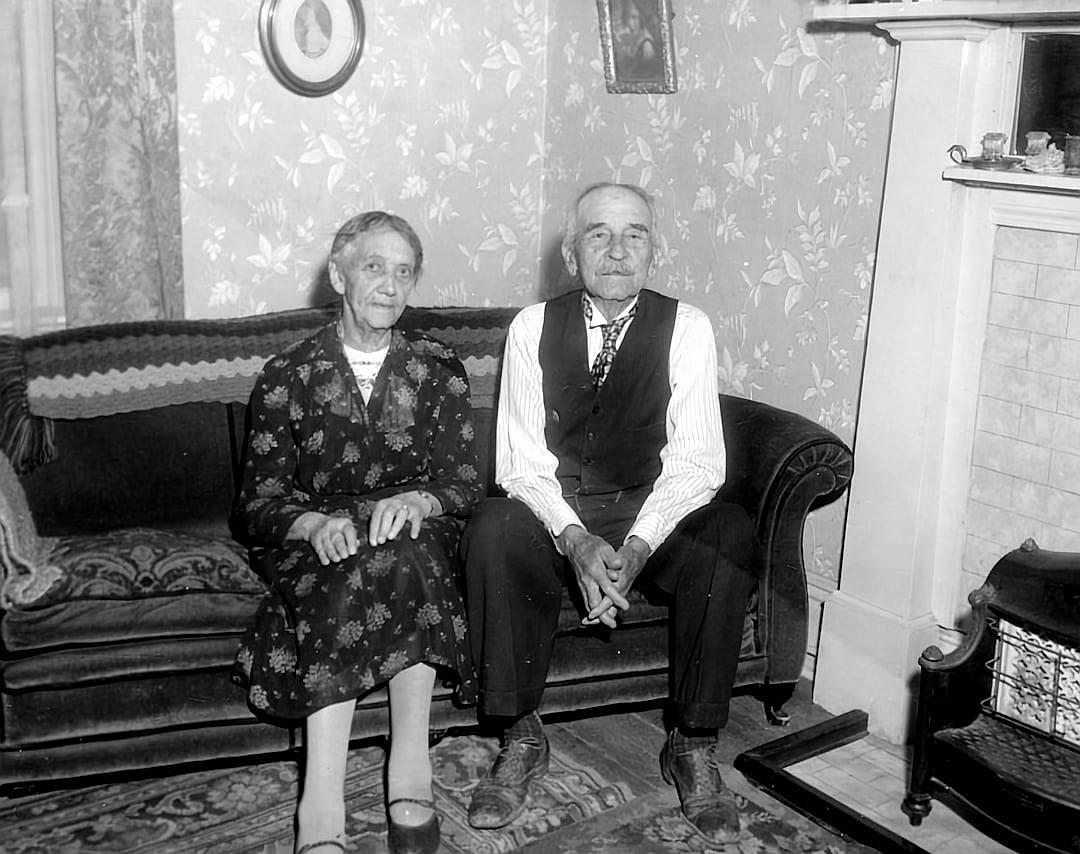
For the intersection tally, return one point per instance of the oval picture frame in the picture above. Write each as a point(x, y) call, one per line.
point(311, 46)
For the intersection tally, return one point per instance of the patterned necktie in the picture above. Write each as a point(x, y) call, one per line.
point(602, 364)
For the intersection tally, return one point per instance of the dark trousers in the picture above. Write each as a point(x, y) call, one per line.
point(515, 579)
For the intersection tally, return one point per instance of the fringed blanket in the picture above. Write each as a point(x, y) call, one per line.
point(125, 367)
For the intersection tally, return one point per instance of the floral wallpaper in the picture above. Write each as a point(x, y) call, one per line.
point(442, 123)
point(479, 122)
point(119, 188)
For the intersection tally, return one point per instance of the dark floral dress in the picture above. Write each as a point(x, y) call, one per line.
point(325, 634)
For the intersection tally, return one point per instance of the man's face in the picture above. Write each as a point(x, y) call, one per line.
point(375, 278)
point(614, 248)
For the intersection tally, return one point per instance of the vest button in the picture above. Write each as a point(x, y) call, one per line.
point(596, 408)
point(586, 461)
point(592, 435)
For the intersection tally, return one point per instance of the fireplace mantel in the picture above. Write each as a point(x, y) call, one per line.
point(990, 11)
point(1017, 179)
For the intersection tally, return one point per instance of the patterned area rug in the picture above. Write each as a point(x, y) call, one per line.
point(249, 811)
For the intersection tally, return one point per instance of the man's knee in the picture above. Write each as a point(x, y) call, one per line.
point(724, 524)
point(480, 541)
point(493, 518)
point(736, 538)
point(487, 517)
point(502, 532)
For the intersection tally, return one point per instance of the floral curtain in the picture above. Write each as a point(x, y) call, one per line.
point(119, 162)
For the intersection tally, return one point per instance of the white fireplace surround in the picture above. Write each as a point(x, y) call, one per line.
point(901, 567)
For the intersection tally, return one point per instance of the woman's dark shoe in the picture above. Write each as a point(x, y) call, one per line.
point(707, 803)
point(311, 847)
point(500, 798)
point(409, 838)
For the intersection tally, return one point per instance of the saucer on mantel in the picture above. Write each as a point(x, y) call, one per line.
point(1007, 162)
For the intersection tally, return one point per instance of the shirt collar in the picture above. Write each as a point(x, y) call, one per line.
point(597, 318)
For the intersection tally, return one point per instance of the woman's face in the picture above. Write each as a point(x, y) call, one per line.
point(633, 19)
point(375, 277)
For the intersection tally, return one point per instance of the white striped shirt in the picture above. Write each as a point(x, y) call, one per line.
point(692, 462)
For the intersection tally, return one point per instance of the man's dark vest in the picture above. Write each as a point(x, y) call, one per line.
point(611, 439)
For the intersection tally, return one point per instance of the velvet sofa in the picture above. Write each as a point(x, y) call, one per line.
point(125, 592)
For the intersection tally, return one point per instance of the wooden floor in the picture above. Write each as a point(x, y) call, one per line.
point(634, 737)
point(637, 735)
point(867, 775)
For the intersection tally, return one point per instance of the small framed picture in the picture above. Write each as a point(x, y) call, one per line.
point(638, 45)
point(311, 46)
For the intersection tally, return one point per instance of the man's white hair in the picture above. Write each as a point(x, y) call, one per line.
point(573, 226)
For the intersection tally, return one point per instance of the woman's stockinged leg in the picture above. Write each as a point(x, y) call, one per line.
point(409, 767)
point(321, 813)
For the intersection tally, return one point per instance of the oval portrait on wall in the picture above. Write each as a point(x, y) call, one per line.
point(311, 46)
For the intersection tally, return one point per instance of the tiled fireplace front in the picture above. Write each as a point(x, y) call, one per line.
point(1025, 466)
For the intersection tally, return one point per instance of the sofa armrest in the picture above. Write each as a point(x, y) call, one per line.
point(780, 467)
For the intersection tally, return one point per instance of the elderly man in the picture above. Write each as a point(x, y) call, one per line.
point(611, 450)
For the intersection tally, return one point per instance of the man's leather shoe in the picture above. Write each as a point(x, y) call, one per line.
point(500, 798)
point(706, 802)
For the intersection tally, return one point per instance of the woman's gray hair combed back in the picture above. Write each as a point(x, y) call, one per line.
point(372, 221)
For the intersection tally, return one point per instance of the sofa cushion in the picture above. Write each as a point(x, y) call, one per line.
point(122, 707)
point(138, 583)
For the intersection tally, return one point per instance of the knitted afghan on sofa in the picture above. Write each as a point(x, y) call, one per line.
point(103, 370)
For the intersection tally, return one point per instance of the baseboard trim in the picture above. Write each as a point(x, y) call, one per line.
point(765, 766)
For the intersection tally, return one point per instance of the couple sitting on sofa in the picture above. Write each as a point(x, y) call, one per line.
point(360, 475)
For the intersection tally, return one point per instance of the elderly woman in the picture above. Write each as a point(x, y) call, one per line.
point(359, 471)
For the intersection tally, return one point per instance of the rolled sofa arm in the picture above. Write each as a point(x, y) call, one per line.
point(780, 467)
